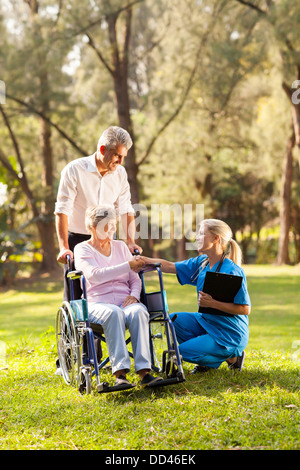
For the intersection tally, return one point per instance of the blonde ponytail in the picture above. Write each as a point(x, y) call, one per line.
point(235, 253)
point(220, 228)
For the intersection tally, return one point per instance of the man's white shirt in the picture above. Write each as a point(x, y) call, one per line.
point(81, 186)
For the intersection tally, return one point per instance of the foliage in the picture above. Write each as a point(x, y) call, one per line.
point(204, 94)
point(16, 244)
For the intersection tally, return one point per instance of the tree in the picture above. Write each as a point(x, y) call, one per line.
point(245, 202)
point(32, 53)
point(283, 19)
point(285, 198)
point(109, 34)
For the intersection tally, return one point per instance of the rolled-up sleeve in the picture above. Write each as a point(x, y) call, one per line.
point(187, 271)
point(123, 203)
point(242, 297)
point(66, 192)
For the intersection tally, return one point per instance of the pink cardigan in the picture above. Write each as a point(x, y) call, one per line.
point(109, 279)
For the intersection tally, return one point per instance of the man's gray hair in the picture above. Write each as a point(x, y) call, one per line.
point(114, 136)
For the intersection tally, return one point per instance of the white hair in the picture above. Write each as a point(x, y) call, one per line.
point(114, 136)
point(96, 214)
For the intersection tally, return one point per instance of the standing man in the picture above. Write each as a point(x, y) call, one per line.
point(99, 179)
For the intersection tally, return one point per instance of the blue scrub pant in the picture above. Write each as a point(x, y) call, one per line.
point(195, 344)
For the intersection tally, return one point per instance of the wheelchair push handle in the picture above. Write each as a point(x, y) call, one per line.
point(68, 258)
point(148, 266)
point(72, 273)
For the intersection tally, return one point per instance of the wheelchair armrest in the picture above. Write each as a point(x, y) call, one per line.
point(74, 274)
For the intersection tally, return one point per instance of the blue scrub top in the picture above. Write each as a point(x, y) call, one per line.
point(228, 331)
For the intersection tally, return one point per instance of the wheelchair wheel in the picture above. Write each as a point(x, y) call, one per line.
point(85, 383)
point(158, 345)
point(171, 366)
point(68, 344)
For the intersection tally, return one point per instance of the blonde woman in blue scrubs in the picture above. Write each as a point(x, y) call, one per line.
point(208, 340)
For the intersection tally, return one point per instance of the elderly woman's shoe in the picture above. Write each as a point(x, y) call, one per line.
point(150, 381)
point(122, 383)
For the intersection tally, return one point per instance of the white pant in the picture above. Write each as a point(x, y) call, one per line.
point(114, 321)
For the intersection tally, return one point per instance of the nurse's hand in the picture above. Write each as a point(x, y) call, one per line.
point(205, 300)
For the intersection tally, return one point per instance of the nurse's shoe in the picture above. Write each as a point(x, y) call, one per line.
point(198, 368)
point(238, 364)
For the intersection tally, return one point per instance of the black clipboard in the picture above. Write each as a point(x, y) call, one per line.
point(222, 287)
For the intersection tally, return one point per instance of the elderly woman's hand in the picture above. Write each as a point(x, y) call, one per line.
point(136, 264)
point(129, 300)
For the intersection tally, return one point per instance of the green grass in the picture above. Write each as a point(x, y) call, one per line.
point(256, 409)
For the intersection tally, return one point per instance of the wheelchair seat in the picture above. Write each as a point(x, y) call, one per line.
point(97, 329)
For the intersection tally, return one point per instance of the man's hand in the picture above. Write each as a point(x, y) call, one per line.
point(136, 264)
point(129, 300)
point(133, 246)
point(62, 256)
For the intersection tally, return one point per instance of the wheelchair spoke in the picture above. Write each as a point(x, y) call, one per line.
point(68, 344)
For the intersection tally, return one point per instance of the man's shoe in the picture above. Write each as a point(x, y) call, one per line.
point(238, 365)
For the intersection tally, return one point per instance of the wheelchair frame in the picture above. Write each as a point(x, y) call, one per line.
point(75, 338)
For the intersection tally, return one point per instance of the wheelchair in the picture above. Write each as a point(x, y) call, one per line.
point(79, 341)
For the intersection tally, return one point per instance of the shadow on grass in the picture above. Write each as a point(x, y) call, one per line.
point(215, 384)
point(38, 282)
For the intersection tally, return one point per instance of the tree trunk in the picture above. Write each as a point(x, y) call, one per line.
point(285, 202)
point(181, 253)
point(295, 113)
point(46, 234)
point(46, 224)
point(296, 121)
point(120, 80)
point(121, 91)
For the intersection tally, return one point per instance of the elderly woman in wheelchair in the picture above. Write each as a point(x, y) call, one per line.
point(108, 303)
point(113, 292)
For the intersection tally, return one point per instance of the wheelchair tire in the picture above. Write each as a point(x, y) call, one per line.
point(68, 344)
point(158, 345)
point(85, 383)
point(171, 367)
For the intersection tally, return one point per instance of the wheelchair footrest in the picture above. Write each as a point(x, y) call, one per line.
point(104, 387)
point(169, 381)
